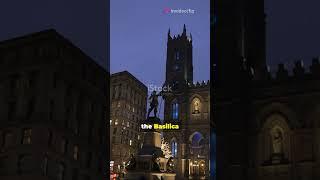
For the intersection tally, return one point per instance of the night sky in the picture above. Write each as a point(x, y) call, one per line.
point(84, 22)
point(293, 28)
point(139, 36)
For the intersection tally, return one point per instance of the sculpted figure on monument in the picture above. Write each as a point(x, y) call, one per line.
point(277, 142)
point(154, 103)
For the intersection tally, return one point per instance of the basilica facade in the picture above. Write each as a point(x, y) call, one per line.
point(188, 104)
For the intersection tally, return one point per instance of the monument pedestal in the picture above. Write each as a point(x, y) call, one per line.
point(150, 163)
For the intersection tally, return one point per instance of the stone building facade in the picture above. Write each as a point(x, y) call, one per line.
point(189, 105)
point(53, 101)
point(267, 126)
point(128, 98)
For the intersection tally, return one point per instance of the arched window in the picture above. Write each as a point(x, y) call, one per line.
point(196, 139)
point(175, 110)
point(174, 148)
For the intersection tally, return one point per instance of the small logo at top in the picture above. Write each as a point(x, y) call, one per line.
point(166, 10)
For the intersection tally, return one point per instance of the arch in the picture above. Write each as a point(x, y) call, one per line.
point(196, 104)
point(276, 108)
point(275, 138)
point(196, 139)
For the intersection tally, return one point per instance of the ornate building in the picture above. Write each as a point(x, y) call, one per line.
point(53, 101)
point(267, 127)
point(128, 109)
point(188, 104)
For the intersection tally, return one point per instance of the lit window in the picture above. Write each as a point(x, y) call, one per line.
point(119, 104)
point(174, 148)
point(128, 124)
point(177, 55)
point(175, 111)
point(138, 137)
point(110, 121)
point(130, 142)
point(76, 152)
point(116, 122)
point(132, 109)
point(26, 136)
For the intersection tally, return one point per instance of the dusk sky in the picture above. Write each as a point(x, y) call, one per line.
point(83, 22)
point(139, 36)
point(293, 28)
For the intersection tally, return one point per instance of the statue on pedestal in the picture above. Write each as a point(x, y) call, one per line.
point(277, 142)
point(154, 103)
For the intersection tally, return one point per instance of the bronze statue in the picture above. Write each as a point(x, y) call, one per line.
point(154, 103)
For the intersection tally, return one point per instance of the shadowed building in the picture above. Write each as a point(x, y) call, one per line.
point(267, 127)
point(53, 101)
point(128, 98)
point(189, 105)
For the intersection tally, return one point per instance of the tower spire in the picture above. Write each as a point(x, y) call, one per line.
point(184, 30)
point(169, 36)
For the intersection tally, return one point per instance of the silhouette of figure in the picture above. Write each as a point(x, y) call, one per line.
point(154, 103)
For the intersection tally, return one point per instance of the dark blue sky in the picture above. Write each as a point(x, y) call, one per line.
point(139, 36)
point(84, 22)
point(293, 28)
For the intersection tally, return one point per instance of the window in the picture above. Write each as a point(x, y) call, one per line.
point(30, 109)
point(177, 55)
point(64, 145)
point(175, 110)
point(76, 152)
point(26, 139)
point(61, 171)
point(55, 79)
point(7, 139)
point(33, 79)
point(130, 142)
point(89, 157)
point(116, 122)
point(115, 131)
point(51, 110)
point(50, 137)
point(12, 108)
point(67, 117)
point(24, 163)
point(174, 148)
point(110, 121)
point(45, 166)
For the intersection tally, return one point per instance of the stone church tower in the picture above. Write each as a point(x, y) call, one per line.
point(188, 105)
point(266, 126)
